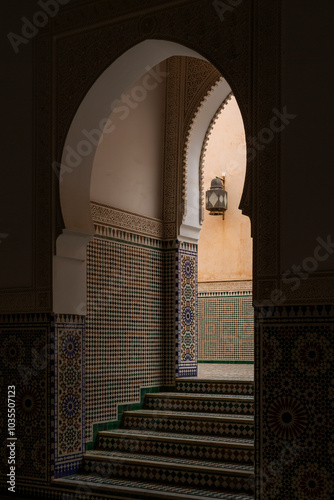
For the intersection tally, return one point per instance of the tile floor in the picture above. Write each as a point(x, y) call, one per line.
point(226, 371)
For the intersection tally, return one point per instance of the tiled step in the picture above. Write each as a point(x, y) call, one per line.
point(206, 424)
point(116, 489)
point(235, 478)
point(178, 445)
point(209, 403)
point(195, 385)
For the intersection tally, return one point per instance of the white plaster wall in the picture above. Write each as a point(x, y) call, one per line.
point(225, 246)
point(128, 165)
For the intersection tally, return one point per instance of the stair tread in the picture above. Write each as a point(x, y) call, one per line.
point(189, 395)
point(202, 465)
point(148, 489)
point(193, 415)
point(170, 436)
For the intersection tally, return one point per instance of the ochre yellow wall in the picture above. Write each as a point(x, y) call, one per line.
point(225, 246)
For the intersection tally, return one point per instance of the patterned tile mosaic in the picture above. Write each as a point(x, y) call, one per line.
point(25, 348)
point(208, 386)
point(201, 403)
point(147, 489)
point(130, 321)
point(69, 382)
point(296, 415)
point(187, 310)
point(225, 327)
point(193, 423)
point(178, 445)
point(168, 471)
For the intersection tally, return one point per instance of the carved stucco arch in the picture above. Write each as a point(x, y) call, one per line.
point(69, 269)
point(203, 153)
point(96, 106)
point(195, 144)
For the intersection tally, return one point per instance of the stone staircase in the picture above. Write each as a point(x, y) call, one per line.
point(194, 443)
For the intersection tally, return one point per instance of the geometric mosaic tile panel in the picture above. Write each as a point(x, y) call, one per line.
point(200, 403)
point(241, 426)
point(69, 379)
point(176, 445)
point(129, 323)
point(25, 363)
point(164, 470)
point(215, 387)
point(146, 489)
point(225, 327)
point(187, 310)
point(297, 406)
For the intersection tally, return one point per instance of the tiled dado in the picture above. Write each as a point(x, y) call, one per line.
point(130, 321)
point(25, 349)
point(294, 411)
point(187, 310)
point(42, 356)
point(225, 326)
point(69, 393)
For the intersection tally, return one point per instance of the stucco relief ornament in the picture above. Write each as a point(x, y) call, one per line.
point(186, 150)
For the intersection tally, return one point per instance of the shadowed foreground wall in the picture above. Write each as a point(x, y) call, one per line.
point(297, 397)
point(273, 58)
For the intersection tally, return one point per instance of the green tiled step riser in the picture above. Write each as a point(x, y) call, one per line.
point(167, 475)
point(185, 426)
point(242, 389)
point(235, 407)
point(182, 450)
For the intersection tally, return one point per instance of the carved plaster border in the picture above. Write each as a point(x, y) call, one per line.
point(225, 286)
point(203, 153)
point(189, 131)
point(134, 223)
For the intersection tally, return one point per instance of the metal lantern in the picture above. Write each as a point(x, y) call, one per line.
point(216, 197)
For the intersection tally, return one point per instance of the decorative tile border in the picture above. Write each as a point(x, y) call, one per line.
point(187, 310)
point(204, 146)
point(69, 381)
